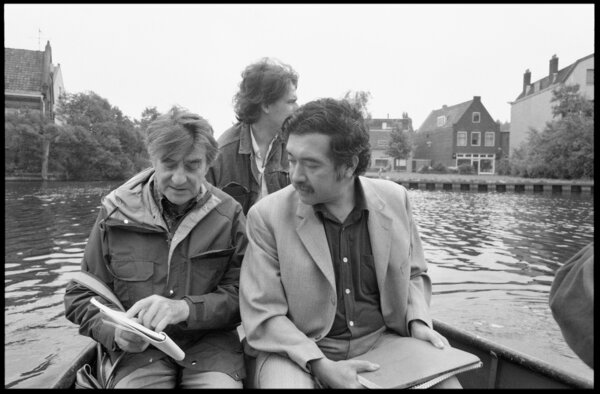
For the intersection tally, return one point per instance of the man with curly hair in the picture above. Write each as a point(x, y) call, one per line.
point(252, 161)
point(334, 265)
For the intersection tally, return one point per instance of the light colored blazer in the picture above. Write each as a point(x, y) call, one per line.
point(287, 283)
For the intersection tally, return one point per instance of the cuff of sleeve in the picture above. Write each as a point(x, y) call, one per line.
point(196, 304)
point(106, 336)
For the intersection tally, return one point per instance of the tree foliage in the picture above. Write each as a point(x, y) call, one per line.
point(360, 99)
point(97, 141)
point(400, 144)
point(94, 141)
point(23, 135)
point(565, 148)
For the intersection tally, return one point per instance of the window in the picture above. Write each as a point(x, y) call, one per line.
point(476, 117)
point(590, 76)
point(461, 138)
point(490, 138)
point(382, 143)
point(486, 166)
point(441, 120)
point(475, 138)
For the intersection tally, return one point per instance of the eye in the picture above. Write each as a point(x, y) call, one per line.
point(193, 165)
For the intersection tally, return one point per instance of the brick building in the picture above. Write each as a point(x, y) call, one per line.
point(31, 81)
point(458, 134)
point(379, 138)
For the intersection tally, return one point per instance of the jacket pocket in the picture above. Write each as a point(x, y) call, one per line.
point(207, 269)
point(133, 279)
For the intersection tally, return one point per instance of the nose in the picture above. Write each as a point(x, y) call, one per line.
point(178, 177)
point(296, 173)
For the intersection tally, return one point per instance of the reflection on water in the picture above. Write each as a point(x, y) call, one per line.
point(46, 228)
point(492, 259)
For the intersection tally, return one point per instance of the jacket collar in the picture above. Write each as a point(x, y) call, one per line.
point(245, 140)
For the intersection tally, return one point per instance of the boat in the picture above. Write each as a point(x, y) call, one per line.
point(503, 367)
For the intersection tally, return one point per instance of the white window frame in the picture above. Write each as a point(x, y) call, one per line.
point(458, 138)
point(478, 117)
point(384, 125)
point(493, 138)
point(441, 120)
point(473, 133)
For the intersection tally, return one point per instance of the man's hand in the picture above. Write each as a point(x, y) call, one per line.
point(340, 374)
point(420, 330)
point(129, 341)
point(157, 312)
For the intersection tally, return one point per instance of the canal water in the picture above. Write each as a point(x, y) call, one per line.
point(492, 258)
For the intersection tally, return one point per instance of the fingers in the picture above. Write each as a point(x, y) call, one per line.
point(365, 366)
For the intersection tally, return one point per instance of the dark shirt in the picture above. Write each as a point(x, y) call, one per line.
point(358, 312)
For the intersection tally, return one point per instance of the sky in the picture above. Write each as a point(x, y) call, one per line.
point(412, 58)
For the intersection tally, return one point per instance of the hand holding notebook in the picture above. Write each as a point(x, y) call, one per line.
point(410, 362)
point(159, 340)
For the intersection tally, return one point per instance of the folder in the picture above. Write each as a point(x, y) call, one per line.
point(118, 319)
point(159, 339)
point(413, 363)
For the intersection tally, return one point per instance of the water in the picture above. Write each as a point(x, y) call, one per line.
point(492, 259)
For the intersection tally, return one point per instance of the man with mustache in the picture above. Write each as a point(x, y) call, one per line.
point(334, 264)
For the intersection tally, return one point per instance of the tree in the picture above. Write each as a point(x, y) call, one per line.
point(400, 144)
point(27, 138)
point(565, 148)
point(359, 99)
point(97, 142)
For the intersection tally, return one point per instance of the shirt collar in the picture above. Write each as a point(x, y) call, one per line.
point(162, 202)
point(360, 202)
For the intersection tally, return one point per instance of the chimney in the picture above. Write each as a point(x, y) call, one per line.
point(553, 65)
point(526, 79)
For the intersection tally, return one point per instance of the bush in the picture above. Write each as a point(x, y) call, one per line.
point(439, 168)
point(466, 169)
point(453, 170)
point(503, 167)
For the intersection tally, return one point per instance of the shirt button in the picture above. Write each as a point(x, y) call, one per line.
point(125, 221)
point(194, 362)
point(351, 323)
point(150, 360)
point(345, 260)
point(171, 292)
point(347, 291)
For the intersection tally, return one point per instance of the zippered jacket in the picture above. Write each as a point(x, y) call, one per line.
point(132, 251)
point(235, 170)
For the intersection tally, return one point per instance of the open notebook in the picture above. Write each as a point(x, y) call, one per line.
point(117, 318)
point(413, 363)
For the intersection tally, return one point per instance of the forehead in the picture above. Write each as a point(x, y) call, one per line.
point(309, 146)
point(193, 153)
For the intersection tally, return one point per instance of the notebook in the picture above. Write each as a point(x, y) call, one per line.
point(414, 363)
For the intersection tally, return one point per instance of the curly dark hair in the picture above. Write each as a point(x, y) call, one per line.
point(263, 82)
point(340, 120)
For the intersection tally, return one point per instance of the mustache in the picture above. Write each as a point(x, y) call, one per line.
point(303, 186)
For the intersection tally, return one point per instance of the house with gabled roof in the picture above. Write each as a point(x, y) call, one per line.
point(463, 133)
point(31, 81)
point(533, 107)
point(380, 130)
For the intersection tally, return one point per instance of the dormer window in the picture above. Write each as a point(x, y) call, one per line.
point(441, 120)
point(476, 117)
